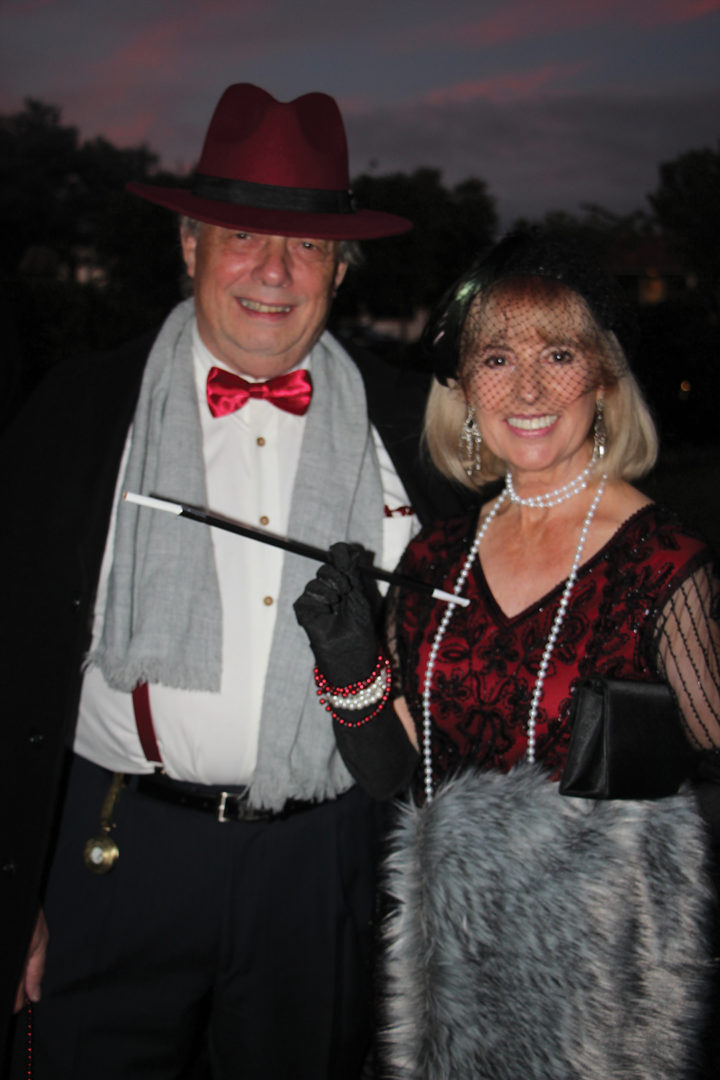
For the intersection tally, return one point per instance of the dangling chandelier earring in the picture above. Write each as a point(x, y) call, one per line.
point(599, 431)
point(470, 443)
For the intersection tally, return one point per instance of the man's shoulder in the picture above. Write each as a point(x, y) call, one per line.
point(122, 358)
point(75, 389)
point(116, 366)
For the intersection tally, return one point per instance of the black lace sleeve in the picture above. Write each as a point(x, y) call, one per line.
point(687, 642)
point(391, 642)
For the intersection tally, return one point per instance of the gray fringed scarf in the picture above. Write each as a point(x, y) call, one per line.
point(163, 614)
point(544, 937)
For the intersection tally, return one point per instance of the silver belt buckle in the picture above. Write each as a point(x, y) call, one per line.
point(221, 807)
point(244, 811)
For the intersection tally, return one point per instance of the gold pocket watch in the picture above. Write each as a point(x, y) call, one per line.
point(101, 851)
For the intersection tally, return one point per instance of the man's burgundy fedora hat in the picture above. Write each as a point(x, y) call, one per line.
point(275, 167)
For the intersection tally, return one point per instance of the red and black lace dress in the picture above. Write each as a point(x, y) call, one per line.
point(645, 607)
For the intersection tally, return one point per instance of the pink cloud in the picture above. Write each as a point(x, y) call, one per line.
point(672, 11)
point(133, 130)
point(509, 86)
point(528, 18)
point(162, 47)
point(168, 43)
point(513, 22)
point(356, 104)
point(154, 47)
point(26, 7)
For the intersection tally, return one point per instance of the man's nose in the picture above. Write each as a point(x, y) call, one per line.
point(273, 263)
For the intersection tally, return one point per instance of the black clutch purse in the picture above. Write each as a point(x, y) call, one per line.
point(626, 741)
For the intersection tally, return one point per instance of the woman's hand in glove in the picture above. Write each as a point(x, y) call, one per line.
point(337, 611)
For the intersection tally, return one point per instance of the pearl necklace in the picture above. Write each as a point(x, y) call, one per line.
point(551, 498)
point(549, 644)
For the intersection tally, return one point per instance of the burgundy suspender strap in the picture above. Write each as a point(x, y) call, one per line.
point(144, 722)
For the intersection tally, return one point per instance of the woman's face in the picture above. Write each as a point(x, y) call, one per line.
point(532, 372)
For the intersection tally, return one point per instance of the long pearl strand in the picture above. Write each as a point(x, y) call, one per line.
point(558, 621)
point(552, 636)
point(462, 577)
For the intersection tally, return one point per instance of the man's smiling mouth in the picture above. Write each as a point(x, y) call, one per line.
point(264, 309)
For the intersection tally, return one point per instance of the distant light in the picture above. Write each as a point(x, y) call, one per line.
point(685, 388)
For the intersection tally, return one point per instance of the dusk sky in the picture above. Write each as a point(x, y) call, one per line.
point(554, 103)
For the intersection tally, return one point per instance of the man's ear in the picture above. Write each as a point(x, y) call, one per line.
point(340, 271)
point(188, 241)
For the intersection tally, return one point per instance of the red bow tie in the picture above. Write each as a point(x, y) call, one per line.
point(227, 392)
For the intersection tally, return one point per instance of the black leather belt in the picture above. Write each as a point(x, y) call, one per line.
point(223, 805)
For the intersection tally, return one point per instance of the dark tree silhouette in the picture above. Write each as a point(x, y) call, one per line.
point(403, 273)
point(687, 206)
point(83, 265)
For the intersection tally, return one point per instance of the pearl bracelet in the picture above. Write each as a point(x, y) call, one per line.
point(358, 696)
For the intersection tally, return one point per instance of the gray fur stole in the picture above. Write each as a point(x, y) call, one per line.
point(536, 936)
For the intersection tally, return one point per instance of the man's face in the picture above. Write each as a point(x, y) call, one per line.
point(261, 301)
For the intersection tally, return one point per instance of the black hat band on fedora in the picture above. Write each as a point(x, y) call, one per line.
point(273, 196)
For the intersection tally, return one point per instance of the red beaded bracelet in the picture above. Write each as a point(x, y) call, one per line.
point(352, 688)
